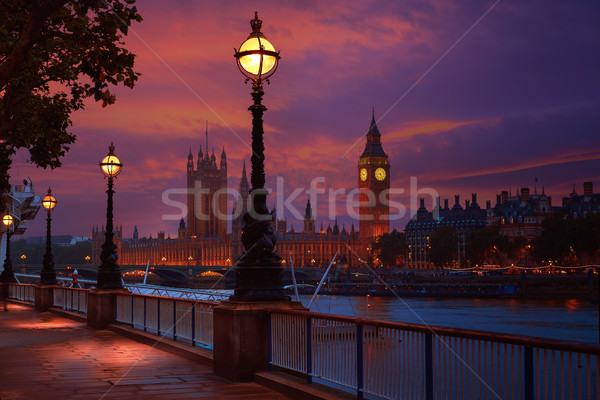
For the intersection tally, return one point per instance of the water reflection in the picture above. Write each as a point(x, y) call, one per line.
point(573, 320)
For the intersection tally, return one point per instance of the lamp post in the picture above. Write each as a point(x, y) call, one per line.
point(258, 272)
point(8, 275)
point(109, 274)
point(48, 275)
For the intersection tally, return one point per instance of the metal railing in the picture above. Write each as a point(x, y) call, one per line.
point(180, 293)
point(390, 360)
point(180, 319)
point(22, 292)
point(70, 299)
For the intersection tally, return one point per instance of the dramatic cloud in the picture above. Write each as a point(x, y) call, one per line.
point(470, 97)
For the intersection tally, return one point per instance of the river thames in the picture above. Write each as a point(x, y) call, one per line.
point(572, 320)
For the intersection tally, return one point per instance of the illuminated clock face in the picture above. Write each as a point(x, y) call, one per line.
point(380, 174)
point(363, 174)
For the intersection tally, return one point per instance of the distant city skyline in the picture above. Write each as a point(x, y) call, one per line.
point(469, 97)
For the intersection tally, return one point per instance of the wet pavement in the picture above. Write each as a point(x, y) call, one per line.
point(45, 356)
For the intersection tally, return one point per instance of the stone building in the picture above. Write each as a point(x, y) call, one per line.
point(204, 240)
point(577, 206)
point(207, 197)
point(521, 215)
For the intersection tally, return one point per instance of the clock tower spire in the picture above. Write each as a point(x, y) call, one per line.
point(373, 186)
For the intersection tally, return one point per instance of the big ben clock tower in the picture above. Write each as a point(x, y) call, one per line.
point(373, 186)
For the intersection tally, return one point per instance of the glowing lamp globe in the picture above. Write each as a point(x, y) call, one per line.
point(257, 58)
point(110, 165)
point(7, 220)
point(49, 202)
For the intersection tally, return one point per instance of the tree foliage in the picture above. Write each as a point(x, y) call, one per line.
point(567, 239)
point(53, 55)
point(488, 246)
point(73, 254)
point(442, 247)
point(389, 247)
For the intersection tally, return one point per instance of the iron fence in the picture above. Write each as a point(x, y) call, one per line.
point(180, 319)
point(388, 360)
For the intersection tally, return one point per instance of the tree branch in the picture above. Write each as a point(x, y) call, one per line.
point(31, 33)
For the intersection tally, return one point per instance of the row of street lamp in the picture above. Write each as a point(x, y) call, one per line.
point(108, 271)
point(258, 272)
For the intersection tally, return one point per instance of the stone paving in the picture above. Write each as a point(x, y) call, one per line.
point(44, 356)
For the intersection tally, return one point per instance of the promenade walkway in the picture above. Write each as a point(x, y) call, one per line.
point(45, 356)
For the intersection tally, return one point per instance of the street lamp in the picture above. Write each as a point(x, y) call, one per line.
point(48, 275)
point(258, 272)
point(109, 274)
point(8, 275)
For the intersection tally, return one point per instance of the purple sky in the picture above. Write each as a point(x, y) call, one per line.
point(470, 96)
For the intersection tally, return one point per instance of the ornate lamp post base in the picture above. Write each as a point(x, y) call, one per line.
point(109, 273)
point(258, 272)
point(48, 278)
point(7, 275)
point(109, 279)
point(259, 283)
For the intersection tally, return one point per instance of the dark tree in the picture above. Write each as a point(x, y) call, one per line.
point(443, 246)
point(565, 240)
point(555, 241)
point(53, 55)
point(488, 245)
point(586, 235)
point(389, 247)
point(74, 254)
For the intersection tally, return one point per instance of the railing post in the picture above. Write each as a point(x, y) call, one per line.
point(528, 372)
point(158, 318)
point(429, 366)
point(174, 319)
point(72, 300)
point(309, 350)
point(193, 324)
point(269, 343)
point(132, 325)
point(359, 361)
point(145, 326)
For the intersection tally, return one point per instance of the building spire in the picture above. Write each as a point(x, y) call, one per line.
point(206, 132)
point(373, 131)
point(244, 171)
point(308, 211)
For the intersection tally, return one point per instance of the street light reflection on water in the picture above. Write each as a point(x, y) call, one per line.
point(569, 319)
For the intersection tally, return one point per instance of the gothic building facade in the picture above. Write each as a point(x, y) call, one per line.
point(207, 197)
point(204, 239)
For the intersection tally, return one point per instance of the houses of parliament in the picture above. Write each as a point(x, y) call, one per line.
point(203, 238)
